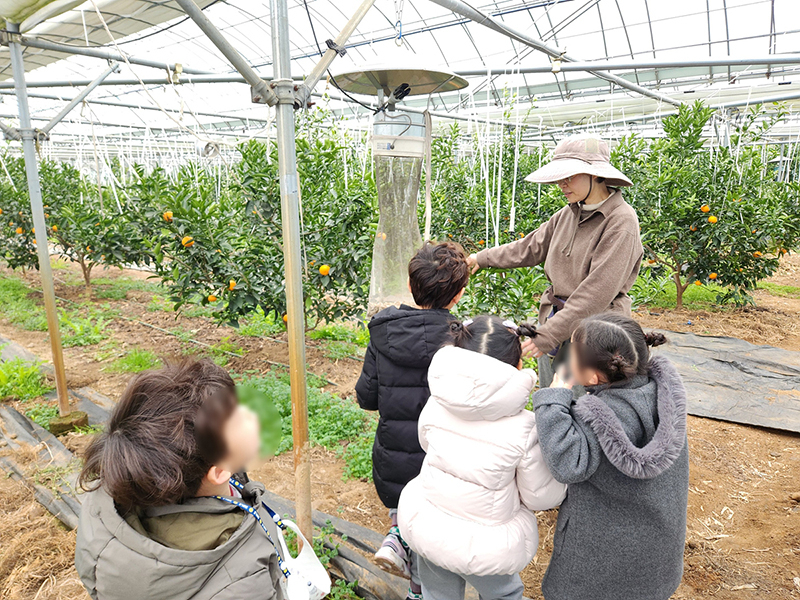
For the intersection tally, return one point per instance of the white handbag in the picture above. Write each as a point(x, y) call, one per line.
point(304, 577)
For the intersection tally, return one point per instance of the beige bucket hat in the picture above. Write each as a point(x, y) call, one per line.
point(580, 154)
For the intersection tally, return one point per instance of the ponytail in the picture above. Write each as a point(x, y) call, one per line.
point(614, 345)
point(654, 338)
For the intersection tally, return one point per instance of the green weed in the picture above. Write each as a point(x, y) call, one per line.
point(136, 361)
point(785, 291)
point(259, 324)
point(82, 331)
point(22, 380)
point(18, 308)
point(226, 347)
point(342, 590)
point(336, 351)
point(357, 455)
point(89, 429)
point(341, 333)
point(42, 414)
point(696, 297)
point(159, 303)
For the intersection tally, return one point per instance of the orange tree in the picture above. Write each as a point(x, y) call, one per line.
point(708, 214)
point(221, 244)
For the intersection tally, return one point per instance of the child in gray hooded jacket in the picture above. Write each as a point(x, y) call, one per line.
point(622, 450)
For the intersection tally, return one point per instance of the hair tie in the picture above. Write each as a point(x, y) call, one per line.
point(510, 324)
point(466, 323)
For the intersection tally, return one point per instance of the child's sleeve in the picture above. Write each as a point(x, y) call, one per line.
point(538, 489)
point(570, 449)
point(367, 386)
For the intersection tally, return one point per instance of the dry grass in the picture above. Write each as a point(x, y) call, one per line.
point(36, 552)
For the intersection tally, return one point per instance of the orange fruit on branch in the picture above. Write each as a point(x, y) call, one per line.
point(33, 230)
point(187, 241)
point(19, 230)
point(712, 275)
point(212, 298)
point(231, 284)
point(698, 282)
point(712, 219)
point(324, 270)
point(55, 227)
point(757, 254)
point(168, 216)
point(705, 208)
point(285, 318)
point(693, 228)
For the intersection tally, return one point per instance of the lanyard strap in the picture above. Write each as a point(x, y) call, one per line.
point(254, 512)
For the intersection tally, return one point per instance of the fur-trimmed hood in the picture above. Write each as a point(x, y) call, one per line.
point(666, 444)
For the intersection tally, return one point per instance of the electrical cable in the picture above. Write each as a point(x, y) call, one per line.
point(330, 75)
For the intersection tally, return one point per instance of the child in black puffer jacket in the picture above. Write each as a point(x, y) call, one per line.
point(394, 381)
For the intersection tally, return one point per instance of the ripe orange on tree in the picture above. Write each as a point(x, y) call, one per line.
point(55, 228)
point(324, 270)
point(187, 241)
point(712, 275)
point(212, 298)
point(693, 228)
point(757, 254)
point(712, 219)
point(705, 208)
point(231, 285)
point(698, 282)
point(1, 211)
point(33, 230)
point(285, 318)
point(168, 216)
point(19, 230)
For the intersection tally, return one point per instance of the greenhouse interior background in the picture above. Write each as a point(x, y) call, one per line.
point(245, 181)
point(146, 114)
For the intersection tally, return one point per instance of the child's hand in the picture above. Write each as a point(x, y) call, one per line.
point(472, 263)
point(561, 381)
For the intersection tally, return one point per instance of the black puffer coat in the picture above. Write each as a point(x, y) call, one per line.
point(394, 382)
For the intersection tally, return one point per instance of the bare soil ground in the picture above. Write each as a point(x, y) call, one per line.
point(743, 535)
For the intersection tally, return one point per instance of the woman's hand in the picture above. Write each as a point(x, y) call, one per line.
point(560, 381)
point(529, 348)
point(472, 263)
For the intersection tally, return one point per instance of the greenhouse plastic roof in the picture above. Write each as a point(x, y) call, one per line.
point(548, 103)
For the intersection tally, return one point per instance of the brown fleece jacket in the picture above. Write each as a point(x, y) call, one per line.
point(591, 259)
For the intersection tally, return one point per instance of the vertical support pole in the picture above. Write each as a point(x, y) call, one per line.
point(35, 193)
point(290, 218)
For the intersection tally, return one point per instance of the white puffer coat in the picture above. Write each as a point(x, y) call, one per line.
point(470, 510)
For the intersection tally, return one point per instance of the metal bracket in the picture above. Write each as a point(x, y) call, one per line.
point(8, 37)
point(340, 50)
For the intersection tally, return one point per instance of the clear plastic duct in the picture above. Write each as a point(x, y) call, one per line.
point(398, 151)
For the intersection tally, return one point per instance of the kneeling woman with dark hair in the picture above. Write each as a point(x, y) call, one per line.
point(622, 450)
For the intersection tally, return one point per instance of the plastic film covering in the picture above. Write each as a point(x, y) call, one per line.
point(397, 179)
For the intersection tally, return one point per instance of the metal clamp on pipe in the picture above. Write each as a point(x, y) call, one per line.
point(7, 37)
point(284, 89)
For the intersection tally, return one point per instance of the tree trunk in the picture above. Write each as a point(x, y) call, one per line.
point(87, 274)
point(678, 290)
point(680, 287)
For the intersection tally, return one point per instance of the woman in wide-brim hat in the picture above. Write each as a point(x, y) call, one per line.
point(591, 248)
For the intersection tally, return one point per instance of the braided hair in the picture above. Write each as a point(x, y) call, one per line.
point(492, 336)
point(614, 345)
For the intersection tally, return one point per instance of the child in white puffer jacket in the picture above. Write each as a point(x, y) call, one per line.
point(469, 514)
